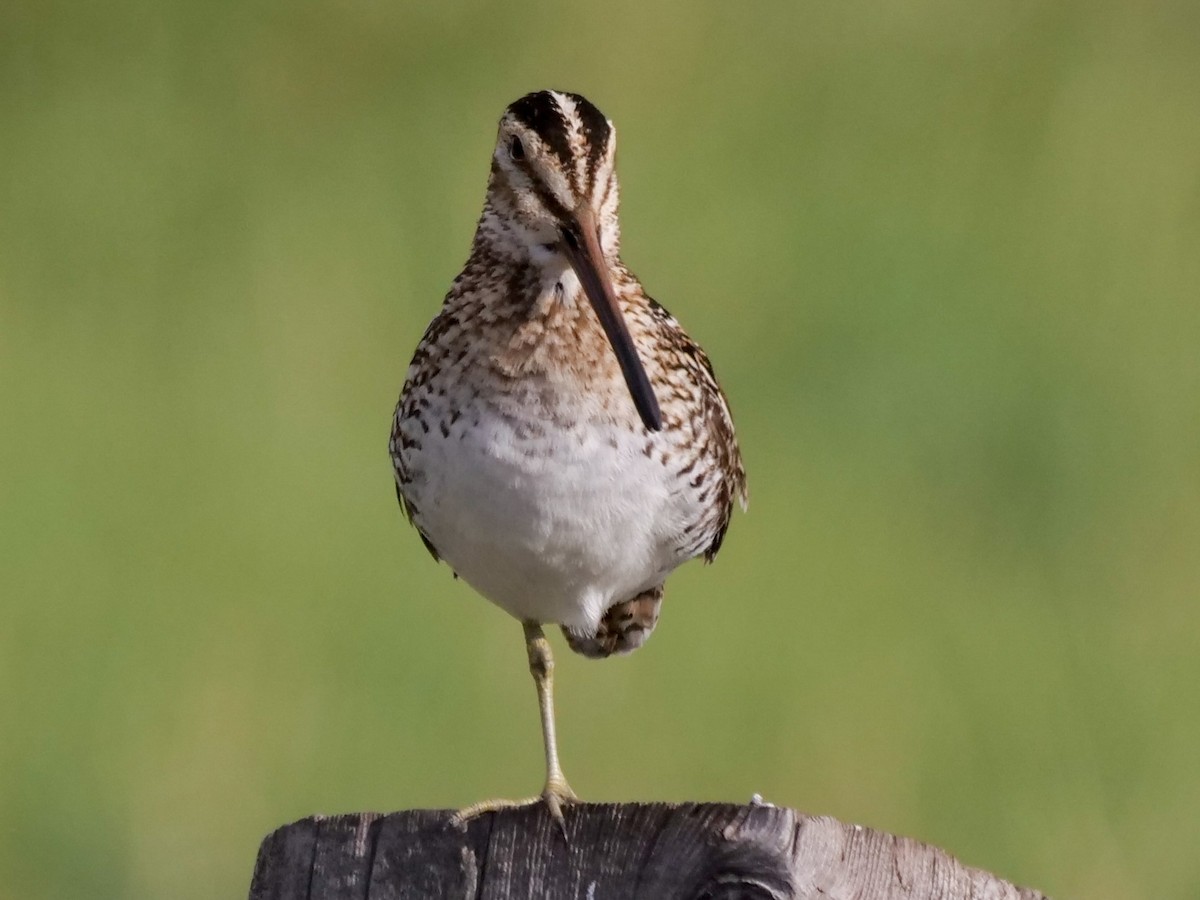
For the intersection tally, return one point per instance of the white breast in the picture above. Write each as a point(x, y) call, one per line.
point(552, 525)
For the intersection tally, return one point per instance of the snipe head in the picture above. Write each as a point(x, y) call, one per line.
point(552, 203)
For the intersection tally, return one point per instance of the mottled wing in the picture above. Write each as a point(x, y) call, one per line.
point(409, 424)
point(729, 455)
point(716, 468)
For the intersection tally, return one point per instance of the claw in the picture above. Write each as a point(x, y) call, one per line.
point(556, 795)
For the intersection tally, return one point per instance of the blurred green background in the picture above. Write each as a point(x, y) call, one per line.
point(945, 256)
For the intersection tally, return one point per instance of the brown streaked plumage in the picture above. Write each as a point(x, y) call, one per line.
point(623, 628)
point(560, 441)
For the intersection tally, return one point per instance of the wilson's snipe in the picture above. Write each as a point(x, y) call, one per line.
point(560, 441)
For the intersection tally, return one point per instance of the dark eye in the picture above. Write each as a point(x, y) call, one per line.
point(516, 149)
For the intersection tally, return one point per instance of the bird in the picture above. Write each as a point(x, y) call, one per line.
point(560, 441)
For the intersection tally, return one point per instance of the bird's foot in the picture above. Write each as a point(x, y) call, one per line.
point(556, 795)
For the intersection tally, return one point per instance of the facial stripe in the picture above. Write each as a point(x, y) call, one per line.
point(531, 183)
point(550, 201)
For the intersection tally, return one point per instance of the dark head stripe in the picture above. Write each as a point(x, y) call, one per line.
point(540, 113)
point(595, 130)
point(543, 193)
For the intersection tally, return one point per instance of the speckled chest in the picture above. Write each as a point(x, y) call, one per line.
point(521, 458)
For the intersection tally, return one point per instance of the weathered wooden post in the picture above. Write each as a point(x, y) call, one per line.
point(692, 851)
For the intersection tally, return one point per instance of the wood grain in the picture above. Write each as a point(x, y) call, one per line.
point(691, 851)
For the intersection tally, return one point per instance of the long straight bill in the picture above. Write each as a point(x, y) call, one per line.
point(582, 248)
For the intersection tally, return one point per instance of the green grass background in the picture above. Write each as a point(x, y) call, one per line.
point(945, 256)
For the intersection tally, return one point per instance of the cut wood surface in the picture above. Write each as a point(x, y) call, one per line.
point(692, 851)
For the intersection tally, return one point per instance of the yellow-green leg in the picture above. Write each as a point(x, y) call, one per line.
point(557, 792)
point(541, 667)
